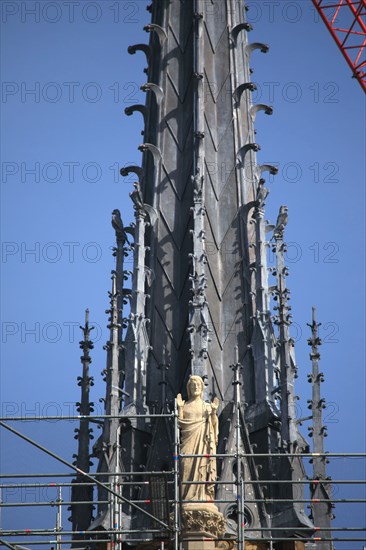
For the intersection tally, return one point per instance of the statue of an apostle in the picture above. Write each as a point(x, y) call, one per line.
point(198, 425)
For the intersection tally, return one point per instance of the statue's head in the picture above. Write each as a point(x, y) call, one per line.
point(195, 386)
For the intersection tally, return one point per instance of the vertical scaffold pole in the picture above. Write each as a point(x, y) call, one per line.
point(239, 477)
point(116, 487)
point(59, 520)
point(176, 477)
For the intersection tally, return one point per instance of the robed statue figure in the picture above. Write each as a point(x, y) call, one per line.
point(198, 425)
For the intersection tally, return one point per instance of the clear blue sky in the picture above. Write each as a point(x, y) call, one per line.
point(72, 132)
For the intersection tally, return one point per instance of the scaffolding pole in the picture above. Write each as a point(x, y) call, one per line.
point(239, 480)
point(176, 476)
point(59, 520)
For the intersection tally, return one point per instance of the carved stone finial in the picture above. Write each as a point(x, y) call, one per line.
point(262, 194)
point(281, 223)
point(197, 181)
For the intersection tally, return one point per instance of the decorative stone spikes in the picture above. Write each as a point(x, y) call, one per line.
point(283, 321)
point(198, 326)
point(260, 268)
point(321, 512)
point(239, 473)
point(113, 373)
point(107, 447)
point(136, 347)
point(113, 349)
point(198, 308)
point(262, 336)
point(81, 514)
point(85, 382)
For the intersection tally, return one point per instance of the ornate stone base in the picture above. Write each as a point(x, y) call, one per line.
point(202, 520)
point(200, 523)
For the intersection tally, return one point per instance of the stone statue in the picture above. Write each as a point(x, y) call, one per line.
point(198, 435)
point(198, 426)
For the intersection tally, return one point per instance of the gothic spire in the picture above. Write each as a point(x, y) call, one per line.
point(197, 237)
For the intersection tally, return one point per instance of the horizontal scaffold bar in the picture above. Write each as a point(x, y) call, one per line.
point(269, 455)
point(266, 481)
point(48, 485)
point(272, 539)
point(88, 475)
point(54, 503)
point(83, 417)
point(218, 482)
point(47, 532)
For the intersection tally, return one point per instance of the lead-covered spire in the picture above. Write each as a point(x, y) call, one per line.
point(199, 285)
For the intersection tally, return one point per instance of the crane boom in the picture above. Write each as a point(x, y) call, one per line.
point(345, 20)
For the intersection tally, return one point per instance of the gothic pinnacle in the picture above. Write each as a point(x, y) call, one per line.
point(81, 514)
point(320, 490)
point(283, 321)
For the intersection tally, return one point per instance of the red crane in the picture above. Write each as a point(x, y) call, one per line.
point(345, 20)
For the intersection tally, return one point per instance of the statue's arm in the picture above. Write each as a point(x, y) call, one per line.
point(214, 420)
point(180, 405)
point(214, 406)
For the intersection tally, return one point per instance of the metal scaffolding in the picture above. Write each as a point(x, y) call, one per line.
point(170, 533)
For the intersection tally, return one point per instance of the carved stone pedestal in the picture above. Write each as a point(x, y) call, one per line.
point(201, 525)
